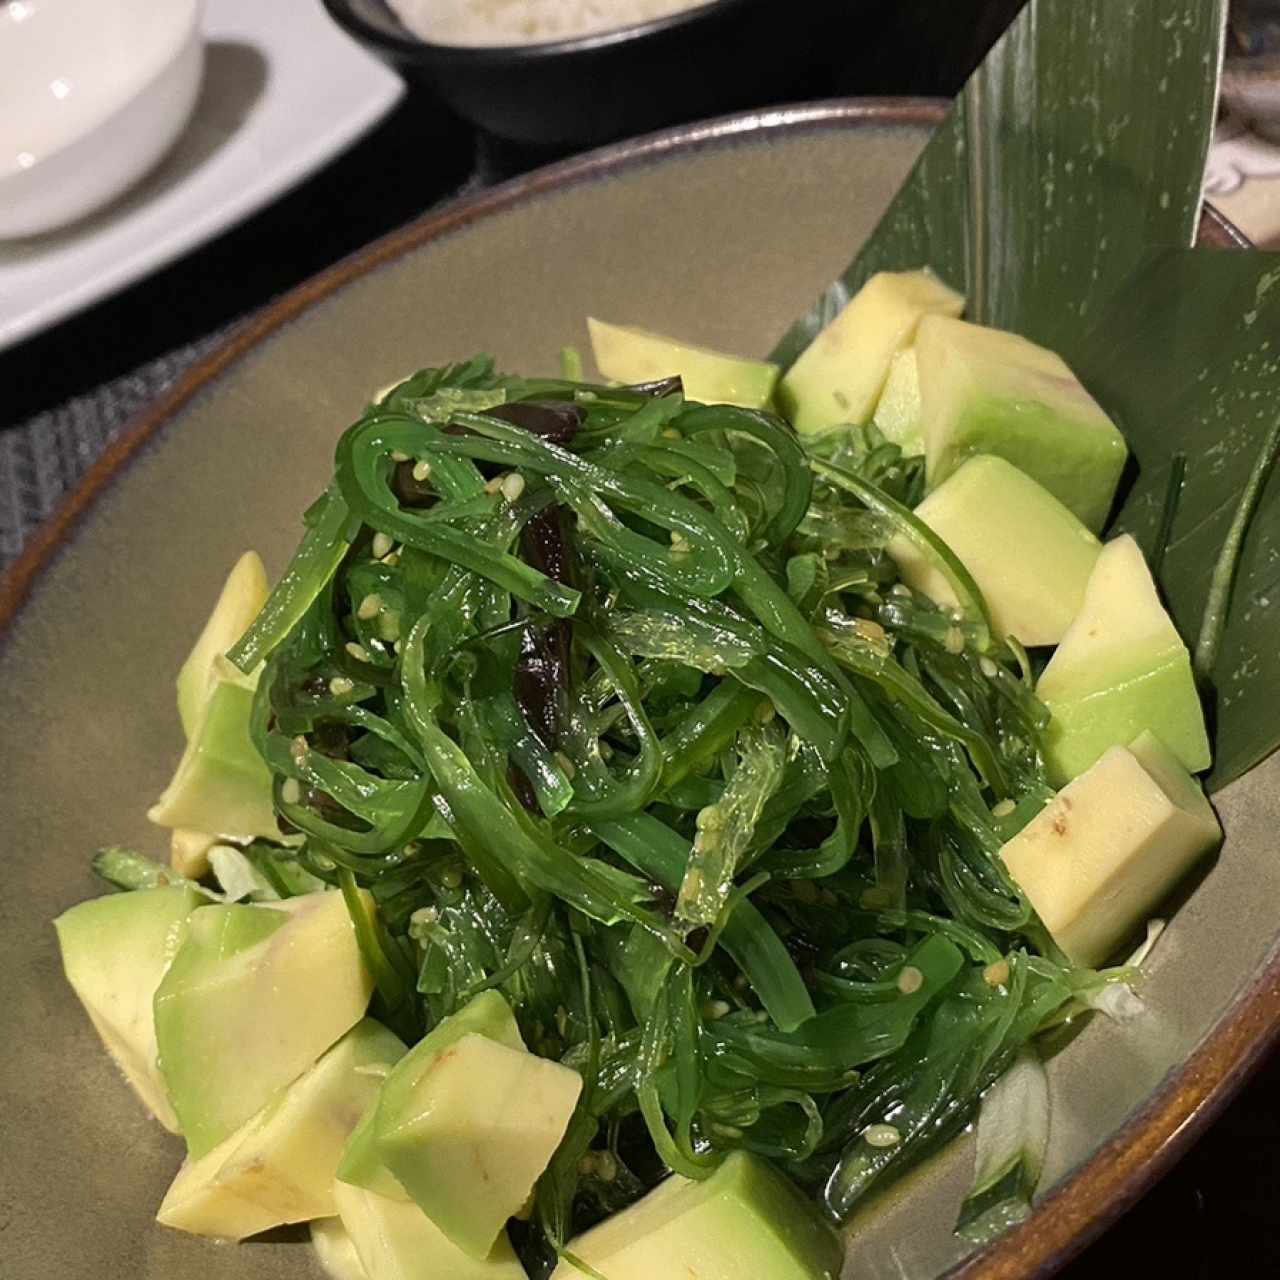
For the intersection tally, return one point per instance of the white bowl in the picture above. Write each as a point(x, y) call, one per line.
point(92, 94)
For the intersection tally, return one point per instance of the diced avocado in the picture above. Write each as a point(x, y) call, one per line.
point(361, 1165)
point(488, 1014)
point(243, 595)
point(221, 784)
point(474, 1133)
point(743, 1221)
point(838, 378)
point(278, 1167)
point(253, 998)
point(1121, 668)
point(1104, 852)
point(395, 1240)
point(626, 354)
point(898, 409)
point(115, 951)
point(336, 1251)
point(1030, 557)
point(189, 852)
point(986, 391)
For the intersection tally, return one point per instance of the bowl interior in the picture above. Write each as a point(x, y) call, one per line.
point(723, 239)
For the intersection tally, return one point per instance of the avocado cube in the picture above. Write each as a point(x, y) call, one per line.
point(1103, 853)
point(986, 391)
point(243, 595)
point(472, 1134)
point(1121, 668)
point(1030, 557)
point(336, 1251)
point(253, 998)
point(487, 1014)
point(839, 376)
point(625, 353)
point(897, 413)
point(221, 785)
point(395, 1240)
point(745, 1220)
point(278, 1167)
point(361, 1165)
point(115, 951)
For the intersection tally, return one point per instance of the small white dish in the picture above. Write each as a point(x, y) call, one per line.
point(283, 92)
point(92, 94)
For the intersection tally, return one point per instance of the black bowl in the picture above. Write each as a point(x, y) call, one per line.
point(723, 55)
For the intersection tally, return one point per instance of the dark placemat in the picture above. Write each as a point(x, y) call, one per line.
point(43, 457)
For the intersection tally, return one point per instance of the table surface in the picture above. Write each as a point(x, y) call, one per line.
point(63, 395)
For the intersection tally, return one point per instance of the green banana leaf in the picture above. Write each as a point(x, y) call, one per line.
point(1074, 150)
point(1186, 355)
point(1077, 144)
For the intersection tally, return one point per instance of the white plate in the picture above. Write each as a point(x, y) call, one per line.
point(284, 91)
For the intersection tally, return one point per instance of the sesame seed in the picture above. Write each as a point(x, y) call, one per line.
point(881, 1135)
point(714, 1009)
point(382, 543)
point(492, 486)
point(606, 1166)
point(424, 916)
point(996, 974)
point(566, 765)
point(900, 589)
point(421, 471)
point(298, 748)
point(398, 455)
point(1003, 809)
point(910, 980)
point(389, 624)
point(358, 652)
point(369, 607)
point(513, 486)
point(672, 434)
point(291, 791)
point(710, 818)
point(870, 630)
point(988, 668)
point(340, 686)
point(953, 641)
point(391, 560)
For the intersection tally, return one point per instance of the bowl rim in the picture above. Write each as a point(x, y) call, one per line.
point(1154, 1136)
point(410, 46)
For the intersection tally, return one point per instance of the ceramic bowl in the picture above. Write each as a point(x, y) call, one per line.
point(714, 57)
point(92, 94)
point(679, 232)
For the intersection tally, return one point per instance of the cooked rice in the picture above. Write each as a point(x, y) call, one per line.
point(508, 22)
